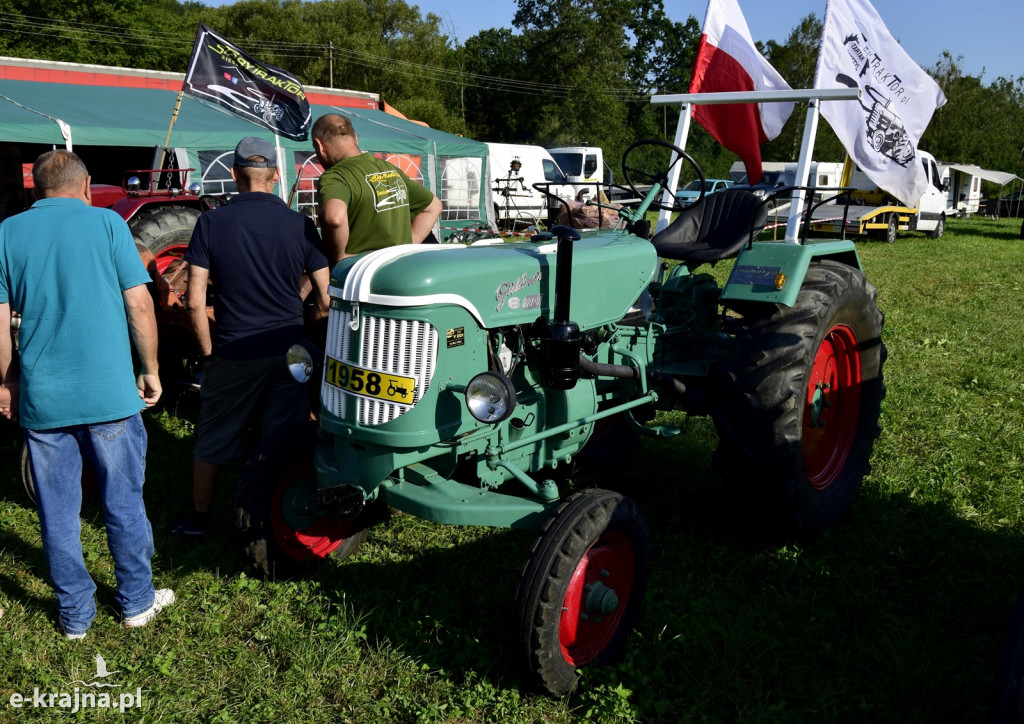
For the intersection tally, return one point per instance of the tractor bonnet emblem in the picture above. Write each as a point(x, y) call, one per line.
point(516, 285)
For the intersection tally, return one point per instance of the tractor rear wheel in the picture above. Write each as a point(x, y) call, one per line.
point(799, 407)
point(165, 231)
point(582, 587)
point(273, 479)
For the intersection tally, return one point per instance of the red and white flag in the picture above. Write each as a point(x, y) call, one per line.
point(728, 61)
point(882, 128)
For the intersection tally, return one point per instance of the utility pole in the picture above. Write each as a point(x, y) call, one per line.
point(330, 62)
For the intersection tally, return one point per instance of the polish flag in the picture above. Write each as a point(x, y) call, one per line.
point(728, 61)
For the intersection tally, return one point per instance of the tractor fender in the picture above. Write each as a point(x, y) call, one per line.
point(755, 277)
point(129, 206)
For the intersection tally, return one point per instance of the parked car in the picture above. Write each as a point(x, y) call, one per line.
point(691, 191)
point(1012, 204)
point(771, 182)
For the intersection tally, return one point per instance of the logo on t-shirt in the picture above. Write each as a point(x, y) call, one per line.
point(389, 191)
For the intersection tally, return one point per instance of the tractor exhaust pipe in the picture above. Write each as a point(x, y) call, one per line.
point(561, 340)
point(598, 369)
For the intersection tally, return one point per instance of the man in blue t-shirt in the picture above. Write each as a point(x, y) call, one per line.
point(256, 251)
point(74, 274)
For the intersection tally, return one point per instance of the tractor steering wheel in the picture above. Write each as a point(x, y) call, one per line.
point(660, 177)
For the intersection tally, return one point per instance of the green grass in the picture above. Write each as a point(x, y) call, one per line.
point(896, 616)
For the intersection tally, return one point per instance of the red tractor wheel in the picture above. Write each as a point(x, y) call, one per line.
point(582, 587)
point(799, 406)
point(165, 231)
point(277, 521)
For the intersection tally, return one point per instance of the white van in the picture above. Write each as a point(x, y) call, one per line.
point(513, 169)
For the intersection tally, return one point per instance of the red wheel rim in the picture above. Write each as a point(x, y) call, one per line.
point(597, 598)
point(318, 540)
point(168, 256)
point(832, 407)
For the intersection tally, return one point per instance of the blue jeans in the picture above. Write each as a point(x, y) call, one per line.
point(118, 452)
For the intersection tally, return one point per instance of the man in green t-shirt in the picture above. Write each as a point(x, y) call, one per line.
point(365, 203)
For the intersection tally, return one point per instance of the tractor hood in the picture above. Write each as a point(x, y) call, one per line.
point(503, 284)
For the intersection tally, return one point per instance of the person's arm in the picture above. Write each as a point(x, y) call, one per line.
point(334, 229)
point(138, 305)
point(198, 280)
point(321, 280)
point(9, 390)
point(423, 222)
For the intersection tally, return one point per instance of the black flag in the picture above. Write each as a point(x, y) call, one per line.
point(268, 96)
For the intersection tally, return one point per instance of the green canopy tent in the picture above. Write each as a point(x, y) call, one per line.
point(203, 137)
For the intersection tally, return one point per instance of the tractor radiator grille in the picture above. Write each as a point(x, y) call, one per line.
point(403, 347)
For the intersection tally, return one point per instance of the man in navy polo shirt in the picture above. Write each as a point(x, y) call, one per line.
point(255, 250)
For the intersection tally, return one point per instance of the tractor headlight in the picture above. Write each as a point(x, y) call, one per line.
point(300, 363)
point(490, 397)
point(134, 183)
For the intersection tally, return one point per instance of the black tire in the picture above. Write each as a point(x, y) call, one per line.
point(595, 544)
point(891, 230)
point(940, 228)
point(800, 400)
point(888, 234)
point(1007, 706)
point(276, 550)
point(165, 231)
point(164, 228)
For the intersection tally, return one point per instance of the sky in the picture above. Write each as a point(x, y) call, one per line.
point(988, 35)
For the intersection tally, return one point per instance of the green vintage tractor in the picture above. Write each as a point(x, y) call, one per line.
point(456, 377)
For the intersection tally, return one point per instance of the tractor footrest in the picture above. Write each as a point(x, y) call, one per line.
point(662, 430)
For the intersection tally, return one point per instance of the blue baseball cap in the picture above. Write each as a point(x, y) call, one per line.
point(252, 146)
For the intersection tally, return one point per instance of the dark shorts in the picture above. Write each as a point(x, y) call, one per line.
point(233, 392)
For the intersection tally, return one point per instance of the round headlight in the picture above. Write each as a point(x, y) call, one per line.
point(490, 397)
point(300, 363)
point(194, 188)
point(134, 184)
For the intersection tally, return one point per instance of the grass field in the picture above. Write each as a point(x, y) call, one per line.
point(896, 616)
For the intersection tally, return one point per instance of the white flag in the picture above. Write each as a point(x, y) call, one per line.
point(881, 130)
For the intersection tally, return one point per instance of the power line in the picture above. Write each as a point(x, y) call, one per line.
point(132, 37)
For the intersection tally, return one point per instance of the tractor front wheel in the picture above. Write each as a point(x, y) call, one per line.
point(582, 587)
point(276, 489)
point(799, 408)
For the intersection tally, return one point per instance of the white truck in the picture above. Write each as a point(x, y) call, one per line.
point(513, 169)
point(583, 167)
point(876, 214)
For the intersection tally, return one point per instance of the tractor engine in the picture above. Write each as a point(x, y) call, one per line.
point(437, 355)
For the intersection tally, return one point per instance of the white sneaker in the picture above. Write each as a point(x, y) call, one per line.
point(68, 636)
point(161, 599)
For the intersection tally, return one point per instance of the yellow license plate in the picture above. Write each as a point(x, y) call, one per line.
point(369, 383)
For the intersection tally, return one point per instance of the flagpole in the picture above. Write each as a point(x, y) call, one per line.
point(682, 134)
point(174, 117)
point(803, 168)
point(283, 183)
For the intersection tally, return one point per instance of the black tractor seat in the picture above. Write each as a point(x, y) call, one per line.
point(715, 229)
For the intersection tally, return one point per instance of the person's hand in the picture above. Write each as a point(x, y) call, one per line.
point(149, 388)
point(9, 400)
